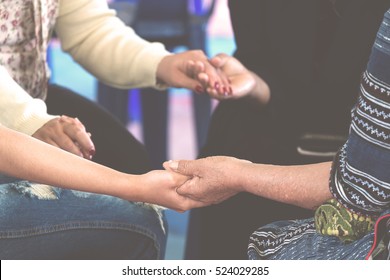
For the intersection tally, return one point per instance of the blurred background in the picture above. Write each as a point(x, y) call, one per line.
point(172, 125)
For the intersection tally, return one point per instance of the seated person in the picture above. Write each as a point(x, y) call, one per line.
point(37, 221)
point(73, 220)
point(310, 54)
point(349, 195)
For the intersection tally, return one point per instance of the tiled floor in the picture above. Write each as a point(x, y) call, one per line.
point(181, 135)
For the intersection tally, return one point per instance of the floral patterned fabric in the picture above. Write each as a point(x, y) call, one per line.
point(25, 30)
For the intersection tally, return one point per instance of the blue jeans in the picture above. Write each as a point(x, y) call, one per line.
point(67, 224)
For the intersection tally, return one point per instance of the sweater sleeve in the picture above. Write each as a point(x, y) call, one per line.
point(19, 111)
point(105, 46)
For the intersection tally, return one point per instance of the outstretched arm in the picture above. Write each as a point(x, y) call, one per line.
point(215, 179)
point(117, 56)
point(27, 158)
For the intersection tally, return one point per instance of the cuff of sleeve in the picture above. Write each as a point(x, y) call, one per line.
point(31, 117)
point(150, 62)
point(34, 123)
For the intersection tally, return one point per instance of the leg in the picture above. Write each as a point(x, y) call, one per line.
point(115, 146)
point(76, 225)
point(298, 240)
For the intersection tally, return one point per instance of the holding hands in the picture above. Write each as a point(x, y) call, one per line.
point(185, 184)
point(160, 187)
point(237, 80)
point(211, 180)
point(181, 70)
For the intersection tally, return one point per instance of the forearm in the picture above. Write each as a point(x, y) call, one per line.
point(27, 158)
point(306, 186)
point(101, 43)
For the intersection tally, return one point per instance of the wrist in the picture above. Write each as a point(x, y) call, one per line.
point(161, 72)
point(242, 169)
point(130, 188)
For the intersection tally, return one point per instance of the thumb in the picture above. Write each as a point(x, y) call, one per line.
point(183, 167)
point(219, 60)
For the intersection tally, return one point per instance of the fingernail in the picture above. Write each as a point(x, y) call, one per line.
point(199, 89)
point(173, 164)
point(92, 152)
point(216, 85)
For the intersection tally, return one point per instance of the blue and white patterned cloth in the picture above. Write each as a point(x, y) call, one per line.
point(360, 177)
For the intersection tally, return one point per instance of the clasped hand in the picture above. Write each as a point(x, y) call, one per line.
point(210, 180)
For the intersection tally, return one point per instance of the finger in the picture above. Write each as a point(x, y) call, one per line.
point(213, 93)
point(197, 67)
point(214, 80)
point(226, 88)
point(75, 130)
point(200, 75)
point(219, 60)
point(192, 84)
point(205, 74)
point(64, 142)
point(191, 69)
point(184, 167)
point(188, 203)
point(167, 166)
point(203, 78)
point(192, 189)
point(183, 191)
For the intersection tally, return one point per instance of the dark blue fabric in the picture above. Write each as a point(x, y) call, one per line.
point(76, 225)
point(360, 177)
point(295, 240)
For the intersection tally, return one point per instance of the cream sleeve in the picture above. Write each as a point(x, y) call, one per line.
point(19, 111)
point(105, 46)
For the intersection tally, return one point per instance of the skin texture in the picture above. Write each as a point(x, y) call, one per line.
point(46, 164)
point(215, 179)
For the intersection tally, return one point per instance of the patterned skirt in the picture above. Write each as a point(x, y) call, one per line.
point(298, 239)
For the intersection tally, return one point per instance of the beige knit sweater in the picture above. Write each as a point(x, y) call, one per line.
point(91, 33)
